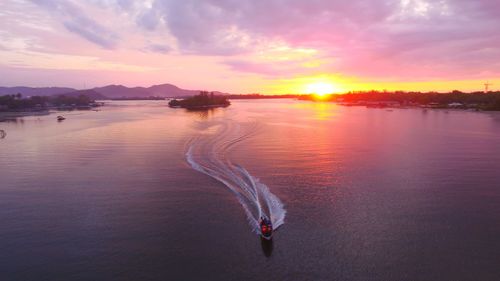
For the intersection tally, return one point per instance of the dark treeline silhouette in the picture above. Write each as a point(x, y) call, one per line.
point(260, 96)
point(479, 100)
point(18, 103)
point(203, 100)
point(140, 98)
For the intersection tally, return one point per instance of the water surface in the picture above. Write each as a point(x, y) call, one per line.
point(369, 194)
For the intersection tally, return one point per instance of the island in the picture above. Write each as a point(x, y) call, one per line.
point(204, 100)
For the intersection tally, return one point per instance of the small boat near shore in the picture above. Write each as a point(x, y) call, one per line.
point(60, 118)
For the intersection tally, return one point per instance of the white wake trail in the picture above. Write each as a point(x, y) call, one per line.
point(208, 154)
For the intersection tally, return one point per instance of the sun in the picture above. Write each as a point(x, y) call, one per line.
point(320, 88)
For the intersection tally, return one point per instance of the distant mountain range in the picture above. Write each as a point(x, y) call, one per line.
point(89, 93)
point(164, 90)
point(111, 91)
point(28, 91)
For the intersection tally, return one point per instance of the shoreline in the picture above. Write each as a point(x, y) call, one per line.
point(6, 116)
point(199, 107)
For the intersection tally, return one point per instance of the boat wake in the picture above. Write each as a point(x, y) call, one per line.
point(208, 154)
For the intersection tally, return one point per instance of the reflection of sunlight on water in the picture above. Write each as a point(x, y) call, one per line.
point(289, 125)
point(318, 110)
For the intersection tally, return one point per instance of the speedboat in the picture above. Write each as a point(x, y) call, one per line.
point(266, 228)
point(60, 118)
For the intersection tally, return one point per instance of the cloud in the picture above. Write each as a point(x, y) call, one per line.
point(256, 68)
point(383, 39)
point(280, 64)
point(75, 20)
point(149, 20)
point(93, 34)
point(228, 27)
point(158, 48)
point(373, 37)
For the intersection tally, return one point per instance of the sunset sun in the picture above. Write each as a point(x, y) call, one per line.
point(320, 88)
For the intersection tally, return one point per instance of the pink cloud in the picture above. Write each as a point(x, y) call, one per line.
point(376, 37)
point(373, 39)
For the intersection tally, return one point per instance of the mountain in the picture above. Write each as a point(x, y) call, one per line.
point(89, 93)
point(111, 91)
point(169, 90)
point(119, 91)
point(164, 90)
point(28, 91)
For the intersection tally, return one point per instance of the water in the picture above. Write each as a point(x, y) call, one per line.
point(209, 154)
point(139, 191)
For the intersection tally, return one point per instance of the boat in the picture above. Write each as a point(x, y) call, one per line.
point(60, 118)
point(266, 228)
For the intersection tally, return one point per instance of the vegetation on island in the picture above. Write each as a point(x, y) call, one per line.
point(37, 103)
point(200, 101)
point(455, 99)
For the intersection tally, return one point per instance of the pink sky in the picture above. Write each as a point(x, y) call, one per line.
point(274, 46)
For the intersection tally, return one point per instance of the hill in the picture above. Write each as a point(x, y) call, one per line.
point(119, 91)
point(29, 91)
point(164, 90)
point(92, 94)
point(169, 90)
point(110, 91)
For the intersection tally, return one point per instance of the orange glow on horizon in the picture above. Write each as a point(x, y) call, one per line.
point(325, 84)
point(320, 88)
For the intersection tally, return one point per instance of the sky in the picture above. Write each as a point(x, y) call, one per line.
point(252, 46)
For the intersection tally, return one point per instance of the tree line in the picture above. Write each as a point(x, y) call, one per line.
point(485, 101)
point(17, 102)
